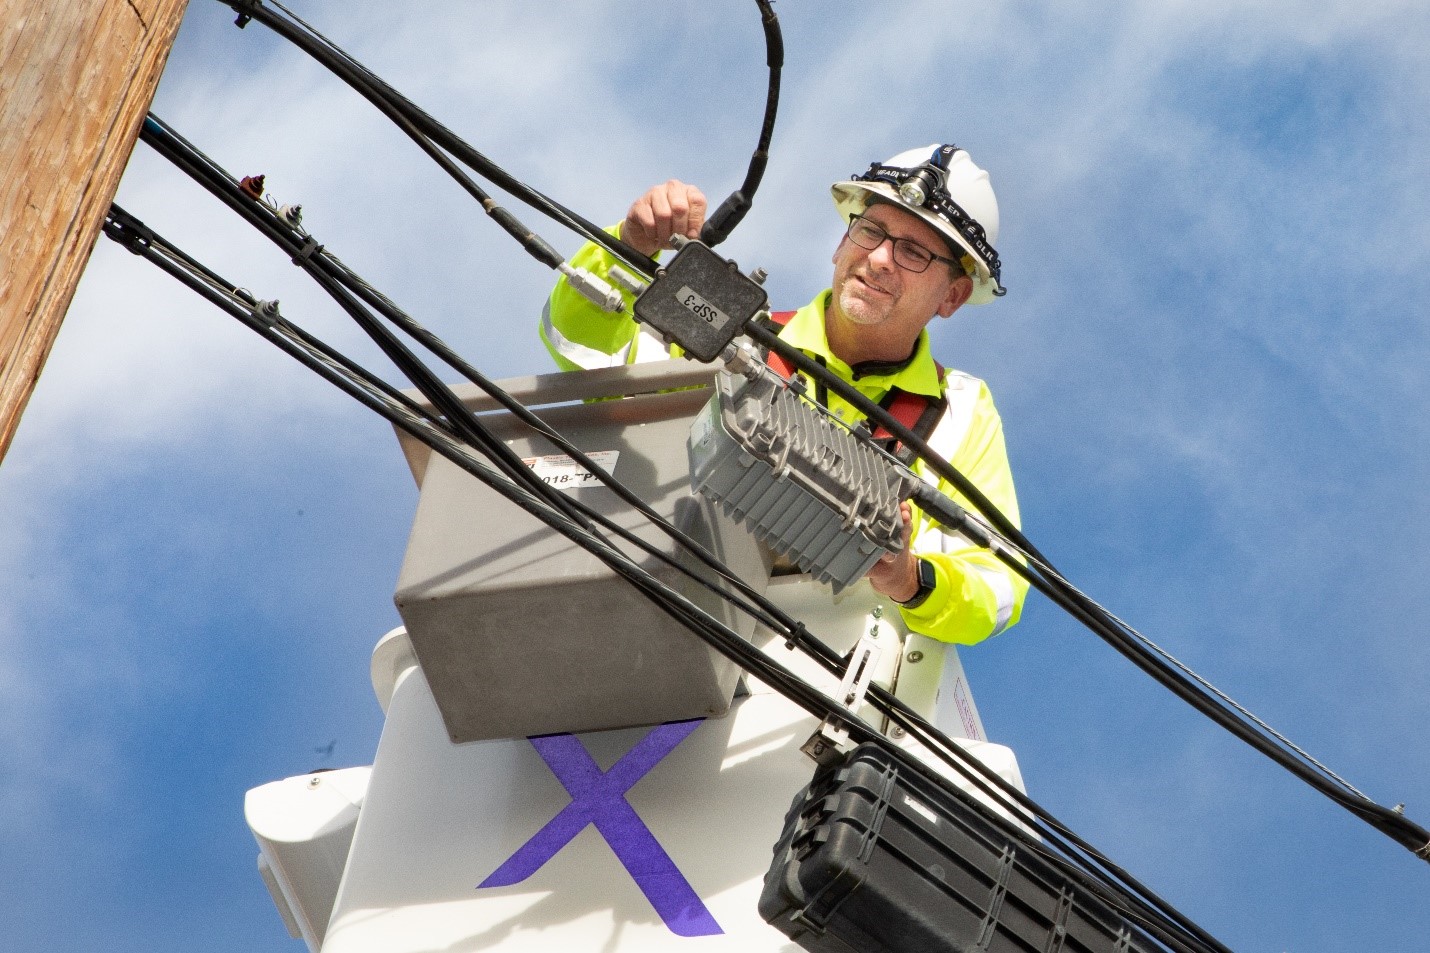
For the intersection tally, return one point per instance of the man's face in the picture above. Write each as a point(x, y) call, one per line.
point(883, 303)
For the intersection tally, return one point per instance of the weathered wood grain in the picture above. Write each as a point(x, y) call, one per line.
point(76, 79)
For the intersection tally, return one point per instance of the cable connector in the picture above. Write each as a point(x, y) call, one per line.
point(741, 360)
point(625, 280)
point(593, 289)
point(952, 517)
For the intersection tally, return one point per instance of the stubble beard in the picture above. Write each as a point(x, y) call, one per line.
point(862, 305)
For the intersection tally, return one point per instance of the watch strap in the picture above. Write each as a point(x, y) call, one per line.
point(928, 578)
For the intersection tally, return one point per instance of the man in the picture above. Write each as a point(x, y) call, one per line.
point(919, 245)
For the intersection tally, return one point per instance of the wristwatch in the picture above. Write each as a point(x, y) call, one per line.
point(927, 580)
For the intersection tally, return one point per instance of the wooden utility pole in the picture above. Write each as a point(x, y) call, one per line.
point(76, 80)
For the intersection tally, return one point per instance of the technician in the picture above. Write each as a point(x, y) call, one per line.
point(919, 244)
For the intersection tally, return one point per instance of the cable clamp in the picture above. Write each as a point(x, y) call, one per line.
point(244, 9)
point(310, 248)
point(131, 234)
point(1424, 852)
point(267, 312)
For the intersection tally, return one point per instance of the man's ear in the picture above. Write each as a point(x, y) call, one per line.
point(958, 294)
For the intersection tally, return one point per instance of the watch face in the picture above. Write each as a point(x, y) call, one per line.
point(927, 580)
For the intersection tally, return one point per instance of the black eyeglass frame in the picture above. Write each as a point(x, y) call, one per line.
point(905, 243)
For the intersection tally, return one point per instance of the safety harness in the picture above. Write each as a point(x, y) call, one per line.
point(920, 413)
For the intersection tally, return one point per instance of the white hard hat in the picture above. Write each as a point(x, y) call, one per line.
point(941, 185)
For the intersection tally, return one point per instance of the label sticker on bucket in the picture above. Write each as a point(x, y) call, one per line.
point(564, 473)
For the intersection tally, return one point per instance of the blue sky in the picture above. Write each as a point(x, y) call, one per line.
point(1210, 363)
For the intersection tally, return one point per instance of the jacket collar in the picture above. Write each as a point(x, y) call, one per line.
point(917, 374)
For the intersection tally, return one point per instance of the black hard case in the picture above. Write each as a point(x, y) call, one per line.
point(879, 859)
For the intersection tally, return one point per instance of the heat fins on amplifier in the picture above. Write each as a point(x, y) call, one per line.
point(801, 482)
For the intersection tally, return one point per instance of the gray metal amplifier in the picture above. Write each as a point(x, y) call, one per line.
point(802, 483)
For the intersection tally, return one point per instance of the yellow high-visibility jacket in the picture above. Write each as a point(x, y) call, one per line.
point(976, 594)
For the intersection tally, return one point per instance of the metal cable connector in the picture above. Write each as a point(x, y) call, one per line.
point(740, 359)
point(625, 280)
point(593, 289)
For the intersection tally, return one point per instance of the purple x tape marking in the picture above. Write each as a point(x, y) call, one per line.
point(599, 798)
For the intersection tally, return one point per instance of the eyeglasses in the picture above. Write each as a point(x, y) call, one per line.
point(908, 254)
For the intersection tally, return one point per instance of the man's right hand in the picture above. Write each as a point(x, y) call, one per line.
point(665, 210)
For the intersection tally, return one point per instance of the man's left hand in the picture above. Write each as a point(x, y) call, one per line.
point(896, 575)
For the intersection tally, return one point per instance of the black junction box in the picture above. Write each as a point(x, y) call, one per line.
point(700, 301)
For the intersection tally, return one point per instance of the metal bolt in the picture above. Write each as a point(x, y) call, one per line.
point(879, 610)
point(897, 732)
point(314, 781)
point(874, 631)
point(915, 656)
